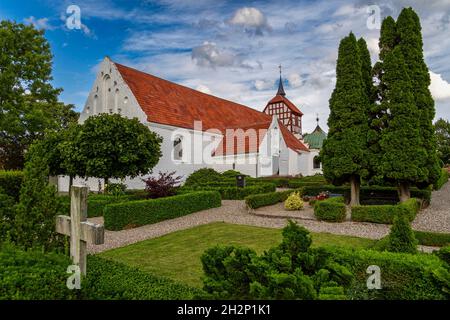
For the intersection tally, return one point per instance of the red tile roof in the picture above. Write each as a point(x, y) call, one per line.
point(280, 98)
point(172, 104)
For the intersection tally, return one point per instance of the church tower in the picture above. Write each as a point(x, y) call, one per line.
point(285, 110)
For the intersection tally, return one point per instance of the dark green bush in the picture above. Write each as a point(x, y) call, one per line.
point(401, 238)
point(108, 279)
point(204, 175)
point(385, 213)
point(266, 199)
point(96, 203)
point(233, 193)
point(11, 182)
point(332, 209)
point(434, 239)
point(7, 215)
point(293, 270)
point(442, 179)
point(33, 275)
point(231, 174)
point(444, 254)
point(118, 216)
point(403, 276)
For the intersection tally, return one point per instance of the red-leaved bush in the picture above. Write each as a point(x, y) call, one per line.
point(163, 186)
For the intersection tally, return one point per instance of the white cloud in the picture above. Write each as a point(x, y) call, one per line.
point(263, 84)
point(41, 23)
point(203, 88)
point(209, 55)
point(440, 88)
point(251, 19)
point(295, 80)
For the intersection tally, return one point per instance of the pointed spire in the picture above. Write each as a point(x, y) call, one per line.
point(280, 85)
point(317, 119)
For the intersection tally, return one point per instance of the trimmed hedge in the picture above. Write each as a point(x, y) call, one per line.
point(118, 216)
point(233, 193)
point(442, 179)
point(108, 279)
point(266, 199)
point(331, 209)
point(403, 276)
point(385, 213)
point(11, 182)
point(96, 203)
point(434, 239)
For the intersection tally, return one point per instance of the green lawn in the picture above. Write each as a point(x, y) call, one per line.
point(177, 255)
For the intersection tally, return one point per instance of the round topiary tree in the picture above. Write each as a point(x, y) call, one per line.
point(204, 175)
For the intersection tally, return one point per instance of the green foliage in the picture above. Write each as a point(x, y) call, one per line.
point(29, 103)
point(232, 193)
point(292, 270)
point(36, 212)
point(401, 238)
point(203, 175)
point(107, 279)
point(266, 199)
point(434, 239)
point(112, 146)
point(343, 153)
point(331, 209)
point(33, 275)
point(7, 215)
point(95, 203)
point(230, 174)
point(11, 182)
point(403, 276)
point(137, 213)
point(294, 202)
point(444, 254)
point(442, 179)
point(442, 130)
point(115, 189)
point(385, 213)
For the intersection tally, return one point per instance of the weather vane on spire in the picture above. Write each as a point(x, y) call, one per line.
point(317, 118)
point(279, 67)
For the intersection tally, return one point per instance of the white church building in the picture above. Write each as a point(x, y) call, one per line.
point(200, 130)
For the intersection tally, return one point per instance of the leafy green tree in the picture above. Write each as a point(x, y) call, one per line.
point(111, 146)
point(411, 45)
point(366, 69)
point(28, 102)
point(401, 238)
point(402, 153)
point(442, 129)
point(344, 151)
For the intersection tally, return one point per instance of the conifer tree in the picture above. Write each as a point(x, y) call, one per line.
point(411, 45)
point(343, 153)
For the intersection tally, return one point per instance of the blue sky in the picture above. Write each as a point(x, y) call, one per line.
point(230, 49)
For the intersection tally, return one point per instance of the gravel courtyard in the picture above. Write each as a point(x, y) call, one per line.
point(435, 218)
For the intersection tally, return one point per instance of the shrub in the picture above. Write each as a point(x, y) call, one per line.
point(203, 176)
point(331, 209)
point(444, 254)
point(33, 275)
point(293, 270)
point(233, 193)
point(115, 189)
point(11, 182)
point(118, 216)
point(7, 215)
point(108, 279)
point(385, 213)
point(163, 186)
point(443, 178)
point(231, 174)
point(294, 202)
point(434, 239)
point(266, 199)
point(96, 203)
point(403, 276)
point(401, 238)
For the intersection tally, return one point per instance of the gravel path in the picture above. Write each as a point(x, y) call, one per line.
point(437, 216)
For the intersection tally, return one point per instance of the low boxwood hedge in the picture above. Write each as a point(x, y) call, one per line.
point(385, 213)
point(442, 179)
point(266, 199)
point(118, 216)
point(232, 193)
point(108, 279)
point(11, 182)
point(332, 209)
point(434, 239)
point(96, 203)
point(403, 276)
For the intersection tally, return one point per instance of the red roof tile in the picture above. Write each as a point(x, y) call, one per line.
point(280, 98)
point(172, 104)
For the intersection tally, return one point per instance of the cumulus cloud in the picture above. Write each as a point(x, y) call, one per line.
point(209, 55)
point(251, 19)
point(440, 88)
point(295, 80)
point(203, 88)
point(263, 84)
point(41, 23)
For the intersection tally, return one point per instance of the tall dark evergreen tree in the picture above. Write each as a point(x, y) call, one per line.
point(343, 154)
point(411, 45)
point(366, 69)
point(402, 153)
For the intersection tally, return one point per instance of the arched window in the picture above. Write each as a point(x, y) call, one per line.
point(116, 101)
point(316, 162)
point(96, 106)
point(178, 148)
point(106, 89)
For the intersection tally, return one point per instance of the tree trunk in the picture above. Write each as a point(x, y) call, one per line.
point(403, 191)
point(70, 182)
point(355, 183)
